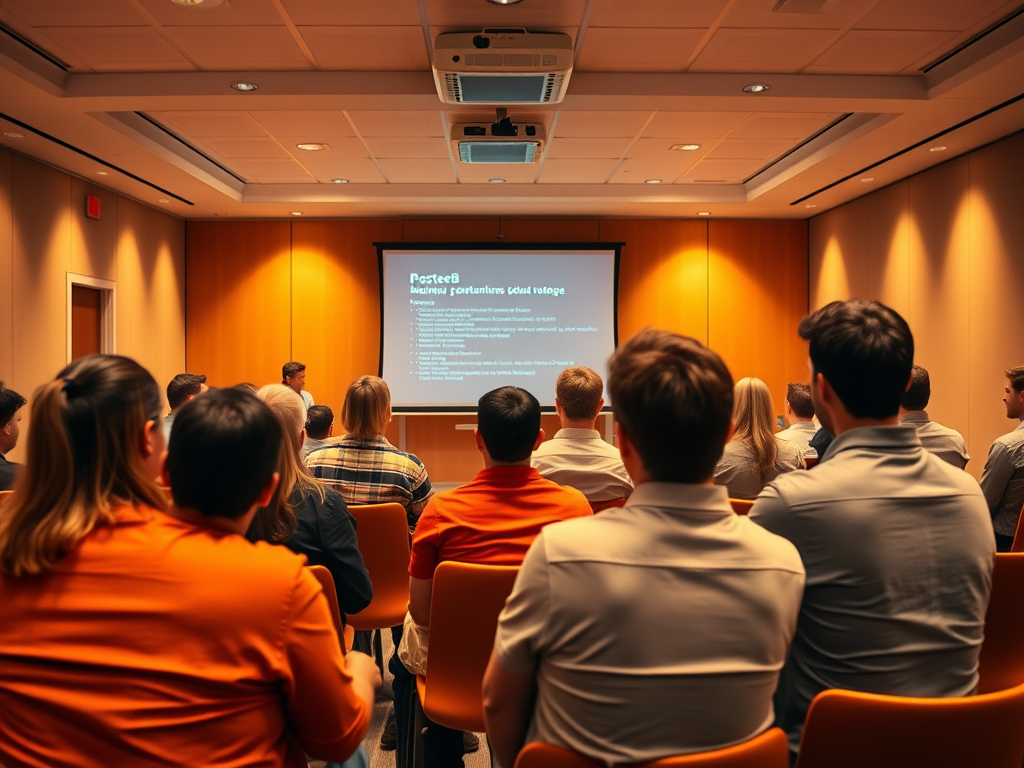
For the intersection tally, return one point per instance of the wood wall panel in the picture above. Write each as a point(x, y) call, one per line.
point(452, 230)
point(663, 275)
point(239, 314)
point(6, 267)
point(888, 263)
point(757, 295)
point(336, 302)
point(93, 241)
point(450, 455)
point(550, 230)
point(835, 273)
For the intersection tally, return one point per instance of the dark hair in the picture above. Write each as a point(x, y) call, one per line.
point(799, 398)
point(673, 398)
point(224, 449)
point(183, 385)
point(291, 370)
point(919, 392)
point(865, 351)
point(579, 390)
point(1016, 377)
point(318, 421)
point(509, 421)
point(10, 402)
point(247, 386)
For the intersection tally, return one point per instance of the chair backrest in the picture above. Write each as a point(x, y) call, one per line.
point(769, 750)
point(1018, 535)
point(323, 575)
point(600, 506)
point(1001, 664)
point(382, 531)
point(5, 496)
point(464, 606)
point(810, 461)
point(741, 506)
point(847, 729)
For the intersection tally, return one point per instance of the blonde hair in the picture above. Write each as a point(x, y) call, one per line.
point(83, 457)
point(365, 411)
point(752, 413)
point(276, 522)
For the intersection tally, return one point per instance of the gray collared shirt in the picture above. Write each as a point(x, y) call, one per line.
point(946, 443)
point(1003, 480)
point(580, 459)
point(898, 549)
point(800, 433)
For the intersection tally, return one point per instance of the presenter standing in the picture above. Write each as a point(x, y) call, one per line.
point(294, 375)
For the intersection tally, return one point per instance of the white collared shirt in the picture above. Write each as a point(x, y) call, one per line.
point(580, 459)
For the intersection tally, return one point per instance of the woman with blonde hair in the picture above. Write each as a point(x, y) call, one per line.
point(307, 517)
point(754, 457)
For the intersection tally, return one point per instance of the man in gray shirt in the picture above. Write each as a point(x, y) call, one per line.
point(1003, 477)
point(800, 426)
point(897, 544)
point(946, 443)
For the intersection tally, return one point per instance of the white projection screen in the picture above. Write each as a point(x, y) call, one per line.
point(458, 320)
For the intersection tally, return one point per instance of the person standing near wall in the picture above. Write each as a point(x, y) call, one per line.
point(10, 417)
point(1003, 477)
point(294, 375)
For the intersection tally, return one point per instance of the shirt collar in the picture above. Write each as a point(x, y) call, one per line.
point(574, 433)
point(682, 496)
point(514, 475)
point(889, 438)
point(915, 417)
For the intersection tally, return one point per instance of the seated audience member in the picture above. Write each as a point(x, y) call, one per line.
point(182, 389)
point(754, 455)
point(946, 443)
point(294, 375)
point(659, 628)
point(363, 466)
point(576, 455)
point(247, 386)
point(306, 517)
point(134, 637)
point(319, 427)
point(897, 543)
point(820, 442)
point(800, 428)
point(1002, 480)
point(10, 419)
point(491, 520)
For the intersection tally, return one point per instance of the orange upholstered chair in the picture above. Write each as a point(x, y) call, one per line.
point(741, 506)
point(847, 729)
point(600, 506)
point(345, 634)
point(769, 750)
point(1001, 664)
point(810, 461)
point(1018, 536)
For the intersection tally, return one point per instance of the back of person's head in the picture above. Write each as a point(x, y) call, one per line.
point(865, 351)
point(799, 398)
point(84, 454)
point(291, 370)
point(752, 414)
point(224, 450)
point(367, 407)
point(318, 421)
point(579, 392)
point(508, 419)
point(672, 397)
point(10, 403)
point(247, 386)
point(182, 386)
point(1016, 377)
point(919, 392)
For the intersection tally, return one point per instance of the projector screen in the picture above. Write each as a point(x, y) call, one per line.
point(460, 320)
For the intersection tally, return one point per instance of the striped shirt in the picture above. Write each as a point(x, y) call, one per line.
point(372, 471)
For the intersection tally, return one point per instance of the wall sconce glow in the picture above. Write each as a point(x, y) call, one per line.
point(868, 178)
point(162, 200)
point(811, 205)
point(653, 181)
point(685, 147)
point(496, 181)
point(14, 135)
point(756, 88)
point(339, 181)
point(937, 149)
point(313, 147)
point(703, 213)
point(244, 87)
point(295, 213)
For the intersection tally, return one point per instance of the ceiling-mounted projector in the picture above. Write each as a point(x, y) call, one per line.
point(502, 66)
point(501, 142)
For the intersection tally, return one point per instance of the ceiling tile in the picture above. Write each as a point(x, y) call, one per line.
point(638, 170)
point(781, 125)
point(953, 15)
point(231, 12)
point(600, 125)
point(355, 13)
point(283, 180)
point(759, 14)
point(471, 173)
point(245, 148)
point(660, 147)
point(476, 14)
point(435, 147)
point(339, 146)
point(761, 50)
point(418, 171)
point(209, 124)
point(732, 171)
point(637, 50)
point(257, 49)
point(655, 13)
point(749, 149)
point(878, 51)
point(359, 48)
point(356, 170)
point(688, 126)
point(271, 169)
point(411, 124)
point(119, 49)
point(561, 147)
point(575, 171)
point(75, 13)
point(326, 124)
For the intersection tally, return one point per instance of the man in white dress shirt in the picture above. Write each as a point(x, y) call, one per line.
point(800, 426)
point(577, 456)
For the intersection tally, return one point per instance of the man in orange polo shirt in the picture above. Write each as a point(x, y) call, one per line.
point(491, 520)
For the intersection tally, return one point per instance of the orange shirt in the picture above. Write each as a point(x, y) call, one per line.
point(159, 643)
point(491, 520)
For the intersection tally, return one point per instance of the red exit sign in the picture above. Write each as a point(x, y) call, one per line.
point(92, 206)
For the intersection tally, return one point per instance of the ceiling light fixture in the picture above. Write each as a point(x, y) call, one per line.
point(937, 149)
point(653, 181)
point(496, 181)
point(101, 173)
point(703, 213)
point(295, 213)
point(244, 87)
point(162, 200)
point(339, 181)
point(756, 88)
point(685, 147)
point(504, 2)
point(811, 205)
point(313, 147)
point(198, 3)
point(868, 178)
point(14, 135)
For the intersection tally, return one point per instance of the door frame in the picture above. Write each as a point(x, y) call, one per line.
point(107, 288)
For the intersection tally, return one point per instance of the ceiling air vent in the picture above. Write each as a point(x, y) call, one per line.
point(503, 142)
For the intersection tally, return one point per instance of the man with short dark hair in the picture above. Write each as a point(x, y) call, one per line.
point(182, 389)
point(577, 456)
point(799, 415)
point(491, 520)
point(294, 375)
point(897, 543)
point(11, 404)
point(946, 443)
point(658, 628)
point(319, 427)
point(1002, 480)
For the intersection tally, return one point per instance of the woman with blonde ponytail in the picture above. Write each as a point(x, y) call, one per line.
point(754, 457)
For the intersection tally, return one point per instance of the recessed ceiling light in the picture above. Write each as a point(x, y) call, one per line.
point(703, 213)
point(653, 181)
point(339, 181)
point(244, 87)
point(14, 135)
point(685, 147)
point(198, 3)
point(936, 149)
point(504, 2)
point(811, 205)
point(756, 88)
point(101, 173)
point(295, 213)
point(313, 147)
point(868, 178)
point(496, 181)
point(162, 200)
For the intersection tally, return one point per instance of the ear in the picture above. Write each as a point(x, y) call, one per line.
point(7, 427)
point(165, 472)
point(146, 439)
point(302, 437)
point(268, 492)
point(558, 408)
point(825, 391)
point(479, 440)
point(626, 447)
point(539, 440)
point(600, 405)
